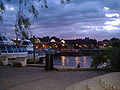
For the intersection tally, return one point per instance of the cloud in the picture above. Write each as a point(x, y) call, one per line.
point(78, 19)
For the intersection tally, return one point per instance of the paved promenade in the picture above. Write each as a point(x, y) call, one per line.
point(35, 78)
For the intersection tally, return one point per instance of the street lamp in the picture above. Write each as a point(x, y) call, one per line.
point(34, 48)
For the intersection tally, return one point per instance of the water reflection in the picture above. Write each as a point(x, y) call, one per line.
point(67, 61)
point(84, 61)
point(63, 60)
point(77, 60)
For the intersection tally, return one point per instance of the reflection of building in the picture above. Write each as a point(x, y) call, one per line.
point(56, 43)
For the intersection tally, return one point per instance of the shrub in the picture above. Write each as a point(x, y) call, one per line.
point(110, 57)
point(98, 59)
point(114, 58)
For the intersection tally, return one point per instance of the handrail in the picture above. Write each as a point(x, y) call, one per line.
point(12, 49)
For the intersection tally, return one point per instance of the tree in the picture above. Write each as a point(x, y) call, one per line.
point(109, 56)
point(115, 43)
point(114, 39)
point(22, 20)
point(98, 59)
point(114, 58)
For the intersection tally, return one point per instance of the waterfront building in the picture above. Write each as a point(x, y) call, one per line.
point(103, 44)
point(56, 43)
point(82, 43)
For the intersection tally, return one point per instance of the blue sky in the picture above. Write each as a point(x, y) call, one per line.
point(99, 19)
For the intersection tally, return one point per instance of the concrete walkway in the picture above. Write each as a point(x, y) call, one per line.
point(110, 81)
point(35, 78)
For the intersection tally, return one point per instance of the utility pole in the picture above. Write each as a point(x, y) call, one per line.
point(34, 48)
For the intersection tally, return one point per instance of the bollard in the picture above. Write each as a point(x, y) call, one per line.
point(49, 62)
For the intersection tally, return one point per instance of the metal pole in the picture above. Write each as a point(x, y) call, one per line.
point(34, 48)
point(49, 62)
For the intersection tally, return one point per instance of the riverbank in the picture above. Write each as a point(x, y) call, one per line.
point(35, 78)
point(80, 52)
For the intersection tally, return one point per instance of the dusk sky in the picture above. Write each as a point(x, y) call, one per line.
point(99, 19)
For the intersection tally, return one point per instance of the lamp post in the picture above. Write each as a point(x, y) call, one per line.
point(34, 48)
point(49, 61)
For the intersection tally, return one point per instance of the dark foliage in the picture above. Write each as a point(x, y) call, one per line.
point(110, 57)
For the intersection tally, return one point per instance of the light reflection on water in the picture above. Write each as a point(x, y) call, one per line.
point(84, 61)
point(77, 60)
point(63, 60)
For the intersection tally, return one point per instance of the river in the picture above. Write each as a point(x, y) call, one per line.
point(84, 61)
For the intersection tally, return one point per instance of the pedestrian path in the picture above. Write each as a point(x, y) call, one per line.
point(35, 78)
point(109, 81)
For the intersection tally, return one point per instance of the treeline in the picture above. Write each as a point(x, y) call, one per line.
point(110, 58)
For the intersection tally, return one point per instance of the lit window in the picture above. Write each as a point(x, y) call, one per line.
point(63, 44)
point(76, 44)
point(36, 47)
point(92, 45)
point(104, 44)
point(62, 41)
point(80, 46)
point(52, 40)
point(85, 45)
point(37, 40)
point(110, 46)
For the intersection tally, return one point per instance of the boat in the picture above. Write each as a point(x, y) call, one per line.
point(23, 53)
point(29, 46)
point(11, 53)
point(5, 40)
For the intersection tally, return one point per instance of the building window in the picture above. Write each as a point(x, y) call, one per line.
point(52, 40)
point(62, 41)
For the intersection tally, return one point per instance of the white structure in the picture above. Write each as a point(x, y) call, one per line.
point(27, 43)
point(10, 53)
point(5, 40)
point(29, 46)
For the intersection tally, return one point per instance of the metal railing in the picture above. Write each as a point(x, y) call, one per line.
point(12, 49)
point(78, 50)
